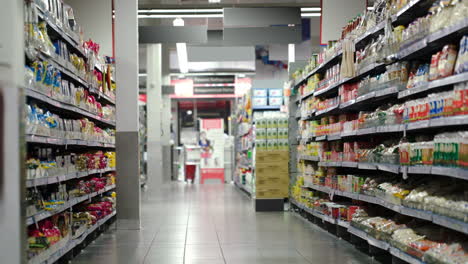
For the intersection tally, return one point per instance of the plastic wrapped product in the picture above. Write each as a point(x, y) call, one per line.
point(447, 60)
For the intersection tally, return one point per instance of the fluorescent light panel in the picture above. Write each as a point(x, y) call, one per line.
point(311, 14)
point(182, 56)
point(291, 53)
point(311, 9)
point(164, 11)
point(181, 16)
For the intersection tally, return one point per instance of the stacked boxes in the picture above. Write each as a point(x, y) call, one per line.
point(271, 173)
point(271, 130)
point(264, 97)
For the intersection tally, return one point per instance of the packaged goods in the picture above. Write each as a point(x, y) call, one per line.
point(259, 92)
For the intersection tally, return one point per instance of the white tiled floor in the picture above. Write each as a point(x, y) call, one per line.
point(216, 224)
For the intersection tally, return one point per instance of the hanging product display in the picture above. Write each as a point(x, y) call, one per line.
point(382, 149)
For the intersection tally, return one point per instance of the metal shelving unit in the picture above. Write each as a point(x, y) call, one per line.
point(79, 143)
point(370, 101)
point(358, 233)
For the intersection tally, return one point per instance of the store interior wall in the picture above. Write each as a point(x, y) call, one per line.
point(96, 17)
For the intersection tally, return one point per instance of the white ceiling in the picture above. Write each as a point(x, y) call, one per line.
point(224, 3)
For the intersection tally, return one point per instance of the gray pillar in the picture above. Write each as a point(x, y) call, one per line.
point(154, 106)
point(166, 114)
point(12, 217)
point(128, 171)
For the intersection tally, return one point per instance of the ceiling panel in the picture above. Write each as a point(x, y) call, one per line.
point(224, 3)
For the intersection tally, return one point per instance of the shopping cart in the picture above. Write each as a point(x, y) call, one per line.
point(192, 162)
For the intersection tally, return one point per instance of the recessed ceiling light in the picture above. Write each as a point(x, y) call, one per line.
point(311, 14)
point(311, 9)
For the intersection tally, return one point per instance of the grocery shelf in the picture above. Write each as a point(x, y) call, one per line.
point(53, 256)
point(330, 110)
point(65, 106)
point(331, 89)
point(453, 172)
point(324, 65)
point(309, 158)
point(321, 138)
point(308, 117)
point(306, 140)
point(333, 137)
point(102, 95)
point(454, 79)
point(430, 42)
point(298, 115)
point(266, 108)
point(244, 188)
point(307, 95)
point(441, 220)
point(64, 177)
point(461, 27)
point(370, 33)
point(409, 49)
point(57, 64)
point(461, 120)
point(65, 142)
point(71, 41)
point(74, 201)
point(361, 234)
point(369, 98)
point(54, 62)
point(403, 256)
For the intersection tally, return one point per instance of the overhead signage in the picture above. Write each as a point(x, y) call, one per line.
point(230, 79)
point(214, 89)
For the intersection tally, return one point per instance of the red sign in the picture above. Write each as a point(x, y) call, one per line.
point(212, 123)
point(142, 98)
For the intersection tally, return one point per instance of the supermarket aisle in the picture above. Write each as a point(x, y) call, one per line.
point(214, 224)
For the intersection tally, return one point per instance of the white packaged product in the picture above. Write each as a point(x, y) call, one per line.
point(272, 133)
point(275, 100)
point(272, 122)
point(259, 92)
point(261, 122)
point(283, 144)
point(283, 133)
point(275, 92)
point(272, 144)
point(261, 133)
point(259, 101)
point(261, 144)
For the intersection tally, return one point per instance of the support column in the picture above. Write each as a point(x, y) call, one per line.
point(166, 114)
point(154, 106)
point(128, 171)
point(12, 211)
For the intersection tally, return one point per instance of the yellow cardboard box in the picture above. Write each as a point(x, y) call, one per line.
point(272, 171)
point(272, 156)
point(271, 193)
point(271, 183)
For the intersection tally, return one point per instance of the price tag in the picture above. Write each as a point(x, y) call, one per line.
point(404, 170)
